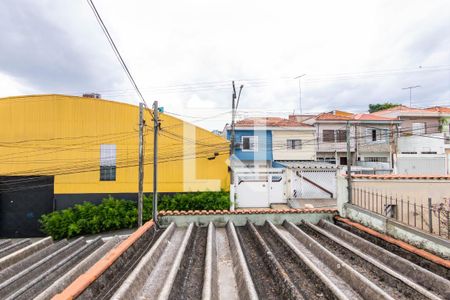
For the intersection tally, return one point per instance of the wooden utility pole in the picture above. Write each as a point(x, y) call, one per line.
point(349, 163)
point(155, 161)
point(141, 163)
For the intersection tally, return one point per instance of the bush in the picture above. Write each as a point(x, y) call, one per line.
point(113, 214)
point(188, 201)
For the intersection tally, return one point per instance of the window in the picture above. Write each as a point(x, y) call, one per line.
point(249, 143)
point(377, 135)
point(418, 128)
point(332, 136)
point(374, 135)
point(376, 159)
point(331, 160)
point(107, 162)
point(294, 144)
point(328, 136)
point(341, 136)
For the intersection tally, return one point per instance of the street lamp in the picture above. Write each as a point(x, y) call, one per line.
point(300, 91)
point(410, 88)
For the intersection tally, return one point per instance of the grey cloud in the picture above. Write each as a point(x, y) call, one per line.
point(48, 57)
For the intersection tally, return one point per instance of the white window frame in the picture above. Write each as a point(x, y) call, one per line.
point(108, 157)
point(379, 159)
point(291, 146)
point(381, 135)
point(253, 140)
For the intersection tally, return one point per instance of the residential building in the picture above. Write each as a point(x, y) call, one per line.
point(375, 141)
point(331, 136)
point(57, 151)
point(263, 142)
point(371, 139)
point(423, 141)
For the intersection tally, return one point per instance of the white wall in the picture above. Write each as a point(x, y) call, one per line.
point(279, 145)
point(421, 164)
point(431, 142)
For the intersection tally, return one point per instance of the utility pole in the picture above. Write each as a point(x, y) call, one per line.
point(410, 88)
point(232, 142)
point(300, 91)
point(155, 161)
point(234, 106)
point(141, 163)
point(349, 163)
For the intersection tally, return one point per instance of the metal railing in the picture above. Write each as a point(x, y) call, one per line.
point(423, 214)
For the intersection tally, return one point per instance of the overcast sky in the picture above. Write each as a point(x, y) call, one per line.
point(185, 53)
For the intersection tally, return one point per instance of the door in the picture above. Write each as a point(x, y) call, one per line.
point(276, 189)
point(23, 199)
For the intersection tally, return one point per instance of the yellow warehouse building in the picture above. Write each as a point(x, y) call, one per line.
point(57, 150)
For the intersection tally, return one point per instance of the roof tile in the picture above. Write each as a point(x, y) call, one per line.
point(400, 176)
point(249, 211)
point(270, 122)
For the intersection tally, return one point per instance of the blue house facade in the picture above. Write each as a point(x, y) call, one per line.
point(269, 141)
point(253, 147)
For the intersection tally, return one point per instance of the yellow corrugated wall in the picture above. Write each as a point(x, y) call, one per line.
point(61, 136)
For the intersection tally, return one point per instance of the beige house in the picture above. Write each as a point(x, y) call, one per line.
point(294, 143)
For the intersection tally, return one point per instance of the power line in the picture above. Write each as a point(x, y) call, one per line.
point(116, 51)
point(255, 82)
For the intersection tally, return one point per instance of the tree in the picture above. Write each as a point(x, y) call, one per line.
point(381, 106)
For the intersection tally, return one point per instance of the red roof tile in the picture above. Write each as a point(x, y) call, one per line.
point(400, 108)
point(270, 122)
point(400, 176)
point(371, 117)
point(354, 117)
point(249, 211)
point(441, 109)
point(330, 116)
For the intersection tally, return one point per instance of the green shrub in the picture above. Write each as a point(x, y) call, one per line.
point(188, 201)
point(113, 214)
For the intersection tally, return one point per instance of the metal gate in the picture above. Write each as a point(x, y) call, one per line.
point(311, 183)
point(259, 187)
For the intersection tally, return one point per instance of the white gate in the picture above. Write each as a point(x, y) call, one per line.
point(311, 183)
point(259, 187)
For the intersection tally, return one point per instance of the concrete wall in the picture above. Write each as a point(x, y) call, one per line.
point(341, 193)
point(414, 190)
point(397, 230)
point(389, 226)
